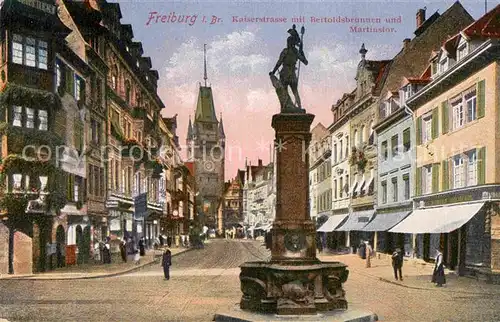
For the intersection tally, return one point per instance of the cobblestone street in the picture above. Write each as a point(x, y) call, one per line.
point(206, 281)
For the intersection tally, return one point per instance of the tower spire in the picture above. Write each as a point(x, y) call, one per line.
point(205, 63)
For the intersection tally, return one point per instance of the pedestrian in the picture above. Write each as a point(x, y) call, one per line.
point(106, 252)
point(166, 262)
point(97, 252)
point(319, 244)
point(59, 255)
point(438, 276)
point(368, 253)
point(123, 250)
point(130, 246)
point(397, 263)
point(362, 250)
point(161, 240)
point(142, 249)
point(169, 241)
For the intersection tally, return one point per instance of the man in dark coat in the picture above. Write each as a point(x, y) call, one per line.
point(142, 244)
point(166, 262)
point(123, 250)
point(397, 263)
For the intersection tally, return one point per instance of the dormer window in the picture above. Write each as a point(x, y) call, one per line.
point(443, 64)
point(462, 50)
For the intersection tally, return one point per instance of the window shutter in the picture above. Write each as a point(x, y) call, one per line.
point(435, 123)
point(446, 175)
point(419, 130)
point(435, 177)
point(480, 99)
point(418, 182)
point(481, 165)
point(445, 117)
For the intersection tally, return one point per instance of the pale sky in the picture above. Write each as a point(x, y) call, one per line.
point(241, 54)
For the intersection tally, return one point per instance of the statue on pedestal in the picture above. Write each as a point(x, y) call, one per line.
point(288, 59)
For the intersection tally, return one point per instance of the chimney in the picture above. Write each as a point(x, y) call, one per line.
point(260, 163)
point(420, 17)
point(406, 42)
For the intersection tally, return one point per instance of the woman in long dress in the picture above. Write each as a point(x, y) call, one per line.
point(438, 276)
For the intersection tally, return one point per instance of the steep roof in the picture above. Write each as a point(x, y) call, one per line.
point(487, 26)
point(190, 130)
point(221, 128)
point(205, 108)
point(412, 60)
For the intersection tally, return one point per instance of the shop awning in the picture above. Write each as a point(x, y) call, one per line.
point(437, 220)
point(332, 223)
point(357, 220)
point(384, 222)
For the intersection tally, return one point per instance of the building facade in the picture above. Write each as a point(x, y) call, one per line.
point(457, 174)
point(319, 174)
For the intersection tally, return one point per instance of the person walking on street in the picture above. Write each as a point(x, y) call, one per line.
point(438, 276)
point(369, 254)
point(397, 263)
point(123, 250)
point(166, 262)
point(142, 244)
point(106, 252)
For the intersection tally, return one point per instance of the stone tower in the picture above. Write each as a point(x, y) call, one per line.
point(206, 144)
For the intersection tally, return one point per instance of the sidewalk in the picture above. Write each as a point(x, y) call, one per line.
point(415, 275)
point(91, 270)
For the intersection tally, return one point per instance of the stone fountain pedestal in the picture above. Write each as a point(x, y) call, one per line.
point(294, 284)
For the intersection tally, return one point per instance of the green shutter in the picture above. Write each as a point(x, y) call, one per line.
point(435, 123)
point(419, 130)
point(444, 117)
point(481, 165)
point(418, 182)
point(446, 175)
point(435, 177)
point(480, 99)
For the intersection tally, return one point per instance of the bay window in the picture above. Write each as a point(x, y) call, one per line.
point(17, 116)
point(29, 118)
point(29, 51)
point(43, 120)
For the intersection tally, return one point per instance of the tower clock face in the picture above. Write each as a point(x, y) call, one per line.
point(209, 166)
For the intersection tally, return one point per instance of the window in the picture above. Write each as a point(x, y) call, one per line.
point(472, 168)
point(355, 137)
point(470, 102)
point(362, 136)
point(114, 77)
point(427, 129)
point(76, 191)
point(30, 118)
point(26, 117)
point(95, 129)
point(443, 65)
point(335, 153)
point(78, 88)
point(458, 114)
point(427, 179)
point(384, 192)
point(43, 120)
point(462, 51)
point(458, 171)
point(394, 143)
point(335, 189)
point(394, 189)
point(347, 146)
point(406, 182)
point(127, 91)
point(58, 74)
point(29, 51)
point(17, 116)
point(385, 153)
point(341, 188)
point(340, 150)
point(406, 140)
point(346, 184)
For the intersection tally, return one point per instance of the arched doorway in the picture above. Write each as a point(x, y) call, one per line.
point(86, 244)
point(79, 243)
point(60, 245)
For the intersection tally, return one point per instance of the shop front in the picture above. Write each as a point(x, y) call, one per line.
point(354, 225)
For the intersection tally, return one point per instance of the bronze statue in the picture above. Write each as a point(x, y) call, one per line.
point(288, 59)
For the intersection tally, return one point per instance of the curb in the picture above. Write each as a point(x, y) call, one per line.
point(36, 277)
